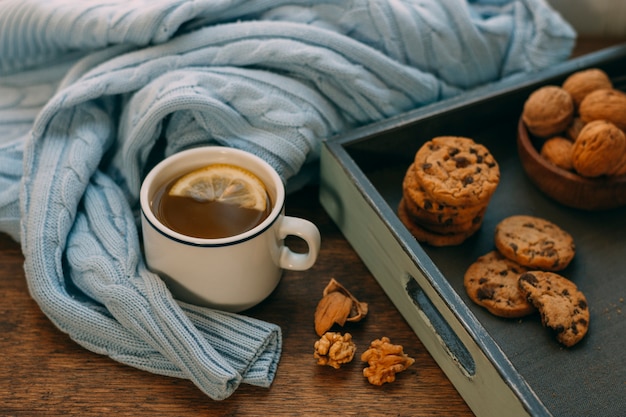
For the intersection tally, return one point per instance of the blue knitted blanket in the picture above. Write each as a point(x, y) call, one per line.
point(91, 92)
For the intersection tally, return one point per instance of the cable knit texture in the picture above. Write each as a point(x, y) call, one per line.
point(93, 93)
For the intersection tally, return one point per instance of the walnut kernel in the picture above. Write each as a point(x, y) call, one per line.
point(385, 360)
point(333, 349)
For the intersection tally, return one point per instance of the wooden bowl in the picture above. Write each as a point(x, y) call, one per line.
point(568, 188)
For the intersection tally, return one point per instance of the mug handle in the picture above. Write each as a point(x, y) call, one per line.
point(306, 231)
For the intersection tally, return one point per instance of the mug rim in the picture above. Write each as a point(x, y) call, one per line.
point(223, 151)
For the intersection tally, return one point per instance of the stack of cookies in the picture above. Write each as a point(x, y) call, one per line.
point(446, 190)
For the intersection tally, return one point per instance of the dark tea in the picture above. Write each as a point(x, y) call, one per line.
point(192, 214)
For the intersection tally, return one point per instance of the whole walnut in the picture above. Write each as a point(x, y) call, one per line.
point(574, 128)
point(548, 111)
point(598, 149)
point(581, 83)
point(558, 150)
point(605, 104)
point(620, 169)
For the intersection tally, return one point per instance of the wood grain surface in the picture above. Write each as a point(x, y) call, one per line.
point(44, 373)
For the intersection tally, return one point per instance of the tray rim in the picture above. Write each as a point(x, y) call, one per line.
point(336, 147)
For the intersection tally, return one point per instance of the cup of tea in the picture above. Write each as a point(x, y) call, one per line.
point(214, 227)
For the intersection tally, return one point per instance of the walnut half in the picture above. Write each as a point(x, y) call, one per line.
point(337, 305)
point(385, 360)
point(333, 349)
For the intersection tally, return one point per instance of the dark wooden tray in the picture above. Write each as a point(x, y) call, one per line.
point(501, 367)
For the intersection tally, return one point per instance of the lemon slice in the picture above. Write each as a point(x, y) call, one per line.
point(224, 183)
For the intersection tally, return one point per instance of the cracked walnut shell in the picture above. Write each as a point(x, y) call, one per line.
point(333, 349)
point(337, 305)
point(385, 360)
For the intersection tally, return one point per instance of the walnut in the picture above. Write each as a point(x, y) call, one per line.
point(337, 305)
point(604, 104)
point(385, 360)
point(574, 128)
point(333, 349)
point(598, 149)
point(558, 150)
point(548, 111)
point(620, 169)
point(581, 83)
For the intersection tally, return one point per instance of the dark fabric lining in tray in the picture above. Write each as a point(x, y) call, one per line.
point(588, 379)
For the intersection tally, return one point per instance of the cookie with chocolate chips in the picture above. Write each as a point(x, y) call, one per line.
point(492, 282)
point(441, 223)
point(534, 242)
point(457, 171)
point(430, 237)
point(423, 206)
point(562, 306)
point(428, 211)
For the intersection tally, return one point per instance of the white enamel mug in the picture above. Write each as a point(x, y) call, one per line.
point(232, 273)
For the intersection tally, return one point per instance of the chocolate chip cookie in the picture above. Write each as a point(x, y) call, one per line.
point(445, 221)
point(534, 242)
point(563, 307)
point(427, 236)
point(491, 282)
point(457, 171)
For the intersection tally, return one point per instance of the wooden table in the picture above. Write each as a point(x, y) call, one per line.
point(44, 373)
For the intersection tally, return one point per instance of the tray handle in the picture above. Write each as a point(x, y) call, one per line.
point(451, 342)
